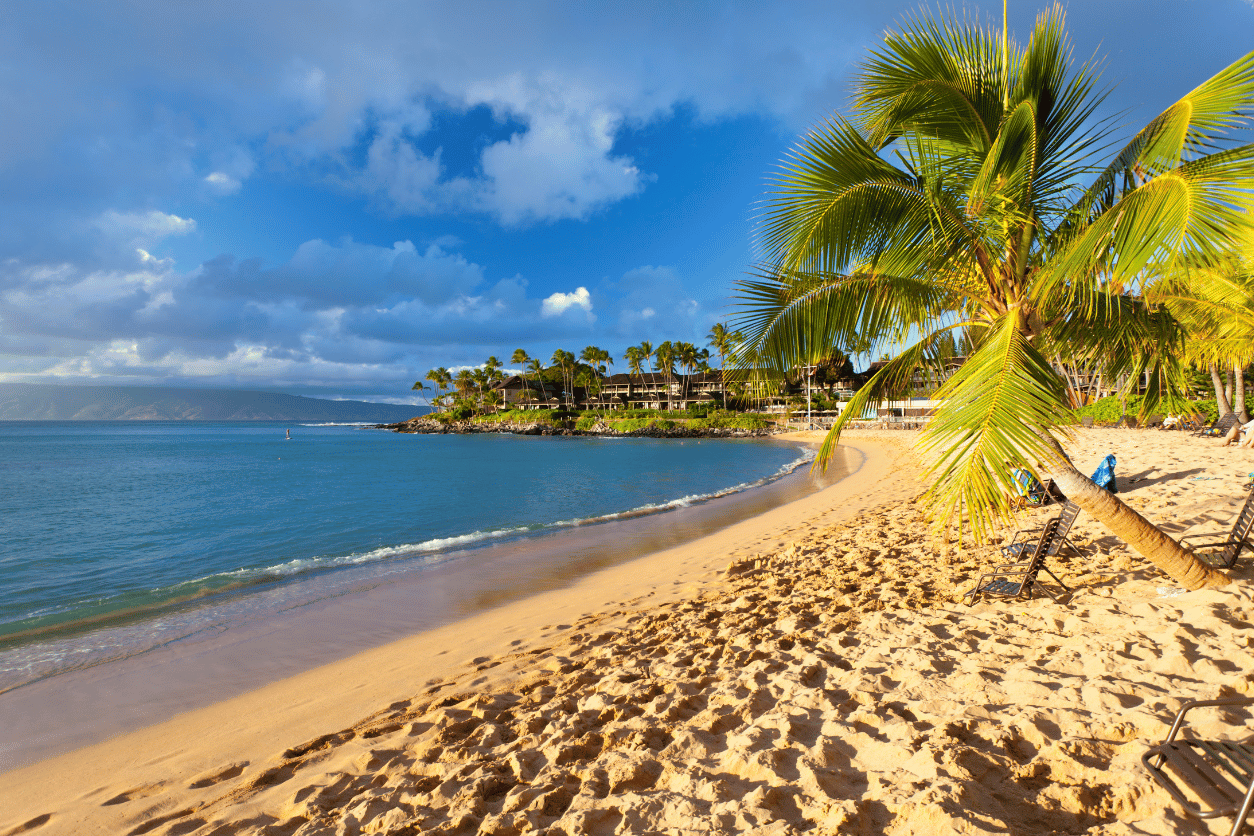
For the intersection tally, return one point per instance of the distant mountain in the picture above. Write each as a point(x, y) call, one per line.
point(35, 402)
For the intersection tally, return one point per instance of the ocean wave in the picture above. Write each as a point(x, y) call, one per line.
point(342, 424)
point(440, 545)
point(201, 590)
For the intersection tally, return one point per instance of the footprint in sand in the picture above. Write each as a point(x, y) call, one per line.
point(131, 795)
point(225, 774)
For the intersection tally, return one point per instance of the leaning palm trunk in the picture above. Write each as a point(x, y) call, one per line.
point(1139, 533)
point(944, 207)
point(1221, 398)
point(1238, 389)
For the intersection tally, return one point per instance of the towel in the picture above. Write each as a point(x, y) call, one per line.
point(1104, 476)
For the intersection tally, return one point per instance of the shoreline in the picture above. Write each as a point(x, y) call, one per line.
point(259, 725)
point(422, 425)
point(248, 641)
point(807, 670)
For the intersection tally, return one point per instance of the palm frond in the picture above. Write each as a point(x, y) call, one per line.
point(998, 412)
point(893, 379)
point(791, 319)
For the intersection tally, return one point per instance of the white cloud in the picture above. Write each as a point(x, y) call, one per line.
point(559, 303)
point(222, 183)
point(141, 230)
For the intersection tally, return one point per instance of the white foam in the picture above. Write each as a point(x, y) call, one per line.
point(344, 424)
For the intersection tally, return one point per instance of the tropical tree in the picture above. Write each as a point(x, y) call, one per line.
point(724, 342)
point(441, 378)
point(520, 358)
point(597, 359)
point(1213, 302)
point(537, 370)
point(664, 359)
point(634, 358)
point(565, 363)
point(963, 194)
point(422, 388)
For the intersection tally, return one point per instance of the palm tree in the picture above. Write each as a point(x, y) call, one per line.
point(537, 369)
point(1213, 302)
point(664, 358)
point(421, 387)
point(492, 373)
point(952, 199)
point(596, 358)
point(520, 358)
point(634, 358)
point(440, 377)
point(565, 362)
point(724, 341)
point(465, 383)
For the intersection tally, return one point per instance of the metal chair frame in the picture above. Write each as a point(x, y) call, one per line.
point(1219, 772)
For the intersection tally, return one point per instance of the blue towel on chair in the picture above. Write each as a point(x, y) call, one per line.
point(1104, 476)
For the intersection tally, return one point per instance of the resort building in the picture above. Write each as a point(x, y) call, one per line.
point(654, 390)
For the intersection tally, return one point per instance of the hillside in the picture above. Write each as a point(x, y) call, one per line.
point(35, 402)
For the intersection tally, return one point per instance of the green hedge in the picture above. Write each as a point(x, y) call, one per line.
point(1109, 410)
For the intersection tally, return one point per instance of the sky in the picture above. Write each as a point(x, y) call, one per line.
point(331, 198)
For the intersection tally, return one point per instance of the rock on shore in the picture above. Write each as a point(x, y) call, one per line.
point(430, 426)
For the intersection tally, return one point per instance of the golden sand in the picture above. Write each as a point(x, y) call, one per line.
point(810, 670)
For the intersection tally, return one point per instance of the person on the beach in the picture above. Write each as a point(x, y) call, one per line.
point(1239, 430)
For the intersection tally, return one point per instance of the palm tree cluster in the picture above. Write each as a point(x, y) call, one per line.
point(566, 372)
point(973, 190)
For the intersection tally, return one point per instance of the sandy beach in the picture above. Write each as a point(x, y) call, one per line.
point(809, 669)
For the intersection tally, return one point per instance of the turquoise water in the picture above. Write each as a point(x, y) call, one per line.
point(110, 523)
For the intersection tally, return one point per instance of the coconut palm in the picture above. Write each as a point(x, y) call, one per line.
point(565, 362)
point(537, 371)
point(964, 194)
point(1214, 302)
point(597, 359)
point(441, 378)
point(520, 358)
point(724, 341)
point(634, 358)
point(422, 388)
point(664, 359)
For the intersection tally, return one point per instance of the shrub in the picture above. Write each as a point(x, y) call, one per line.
point(1108, 410)
point(747, 422)
point(587, 422)
point(460, 413)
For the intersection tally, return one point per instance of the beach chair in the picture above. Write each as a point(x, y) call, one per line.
point(1217, 773)
point(1224, 553)
point(1018, 580)
point(1221, 426)
point(1030, 491)
point(1018, 550)
point(1154, 421)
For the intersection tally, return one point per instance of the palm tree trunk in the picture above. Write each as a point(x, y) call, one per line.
point(1217, 381)
point(1238, 399)
point(1179, 564)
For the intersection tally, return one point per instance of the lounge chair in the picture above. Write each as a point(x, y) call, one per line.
point(1224, 553)
point(1030, 491)
point(1219, 773)
point(1019, 550)
point(1018, 580)
point(1154, 421)
point(1221, 426)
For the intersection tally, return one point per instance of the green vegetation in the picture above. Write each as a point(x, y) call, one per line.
point(973, 195)
point(1110, 410)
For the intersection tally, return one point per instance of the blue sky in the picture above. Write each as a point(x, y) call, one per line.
point(332, 198)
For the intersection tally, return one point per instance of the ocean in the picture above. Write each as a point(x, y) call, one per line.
point(117, 538)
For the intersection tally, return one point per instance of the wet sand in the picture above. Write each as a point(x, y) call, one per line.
point(807, 670)
point(250, 641)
